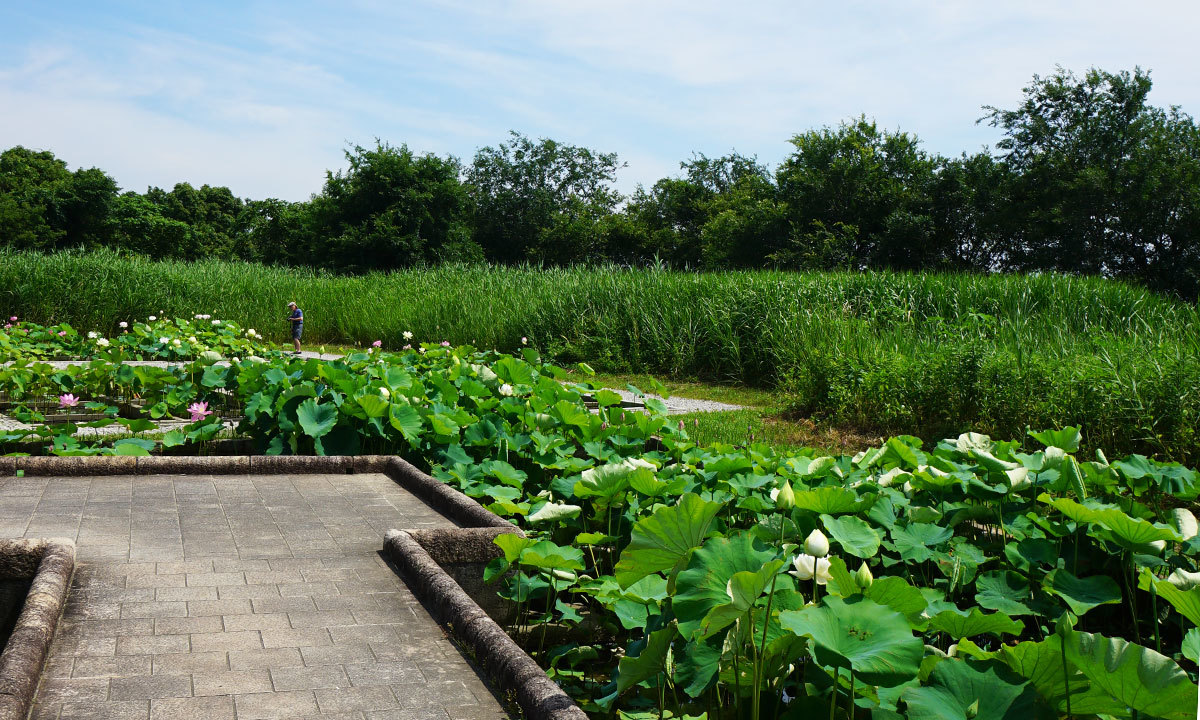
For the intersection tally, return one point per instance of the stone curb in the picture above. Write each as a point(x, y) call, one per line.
point(23, 657)
point(509, 666)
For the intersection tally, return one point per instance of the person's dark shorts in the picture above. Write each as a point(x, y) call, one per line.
point(297, 330)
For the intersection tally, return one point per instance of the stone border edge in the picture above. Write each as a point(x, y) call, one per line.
point(29, 645)
point(508, 665)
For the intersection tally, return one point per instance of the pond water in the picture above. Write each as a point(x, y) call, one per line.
point(12, 600)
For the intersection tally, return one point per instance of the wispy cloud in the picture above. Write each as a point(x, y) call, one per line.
point(265, 97)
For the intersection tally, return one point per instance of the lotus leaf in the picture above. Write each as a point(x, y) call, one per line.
point(872, 640)
point(664, 539)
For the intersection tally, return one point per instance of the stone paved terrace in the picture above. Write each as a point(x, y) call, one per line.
point(239, 596)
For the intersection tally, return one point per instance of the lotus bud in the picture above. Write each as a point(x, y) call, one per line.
point(785, 499)
point(863, 576)
point(681, 426)
point(385, 393)
point(816, 544)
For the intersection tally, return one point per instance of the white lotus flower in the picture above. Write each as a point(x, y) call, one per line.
point(153, 318)
point(816, 544)
point(92, 335)
point(806, 567)
point(421, 350)
point(193, 340)
point(177, 342)
point(506, 389)
point(216, 322)
point(164, 340)
point(102, 342)
point(385, 393)
point(407, 335)
point(123, 324)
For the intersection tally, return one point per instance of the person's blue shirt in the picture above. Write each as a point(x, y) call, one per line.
point(298, 314)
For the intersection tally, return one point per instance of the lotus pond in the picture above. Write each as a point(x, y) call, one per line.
point(963, 578)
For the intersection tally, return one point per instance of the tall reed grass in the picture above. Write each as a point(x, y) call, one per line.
point(926, 353)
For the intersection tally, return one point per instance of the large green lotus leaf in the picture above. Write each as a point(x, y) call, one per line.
point(553, 512)
point(960, 689)
point(663, 539)
point(314, 419)
point(135, 447)
point(513, 371)
point(896, 593)
point(549, 556)
point(1186, 602)
point(1082, 594)
point(1070, 508)
point(406, 420)
point(959, 626)
point(1134, 533)
point(605, 398)
point(915, 542)
point(830, 500)
point(505, 473)
point(606, 481)
point(1067, 438)
point(702, 586)
point(743, 590)
point(873, 640)
point(967, 442)
point(1042, 664)
point(1134, 675)
point(512, 545)
point(1072, 475)
point(1003, 591)
point(1191, 645)
point(373, 405)
point(991, 462)
point(698, 665)
point(854, 535)
point(648, 663)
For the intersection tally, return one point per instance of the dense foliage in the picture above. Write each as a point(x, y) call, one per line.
point(1089, 178)
point(932, 355)
point(970, 578)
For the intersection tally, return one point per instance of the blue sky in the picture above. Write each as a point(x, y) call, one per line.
point(264, 97)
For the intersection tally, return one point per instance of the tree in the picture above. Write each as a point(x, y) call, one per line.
point(1108, 183)
point(392, 208)
point(860, 197)
point(540, 201)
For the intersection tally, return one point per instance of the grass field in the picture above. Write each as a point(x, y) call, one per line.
point(876, 353)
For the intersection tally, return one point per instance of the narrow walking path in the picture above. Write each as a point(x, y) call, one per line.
point(239, 597)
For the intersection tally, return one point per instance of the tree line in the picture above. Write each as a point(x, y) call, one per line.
point(1088, 178)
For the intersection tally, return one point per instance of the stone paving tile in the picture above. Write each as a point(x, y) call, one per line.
point(237, 598)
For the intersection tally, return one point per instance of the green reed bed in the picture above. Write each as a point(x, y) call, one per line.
point(931, 354)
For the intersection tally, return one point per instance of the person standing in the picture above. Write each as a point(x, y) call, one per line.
point(296, 318)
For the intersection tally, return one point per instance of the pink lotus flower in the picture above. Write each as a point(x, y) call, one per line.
point(62, 333)
point(377, 343)
point(524, 340)
point(13, 318)
point(7, 325)
point(445, 343)
point(407, 347)
point(199, 411)
point(67, 400)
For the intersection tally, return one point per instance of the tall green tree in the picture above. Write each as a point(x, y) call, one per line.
point(392, 208)
point(541, 201)
point(1107, 183)
point(858, 196)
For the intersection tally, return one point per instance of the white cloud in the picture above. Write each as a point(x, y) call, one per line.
point(267, 107)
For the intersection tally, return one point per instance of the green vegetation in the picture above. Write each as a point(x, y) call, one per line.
point(962, 578)
point(882, 353)
point(1089, 178)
